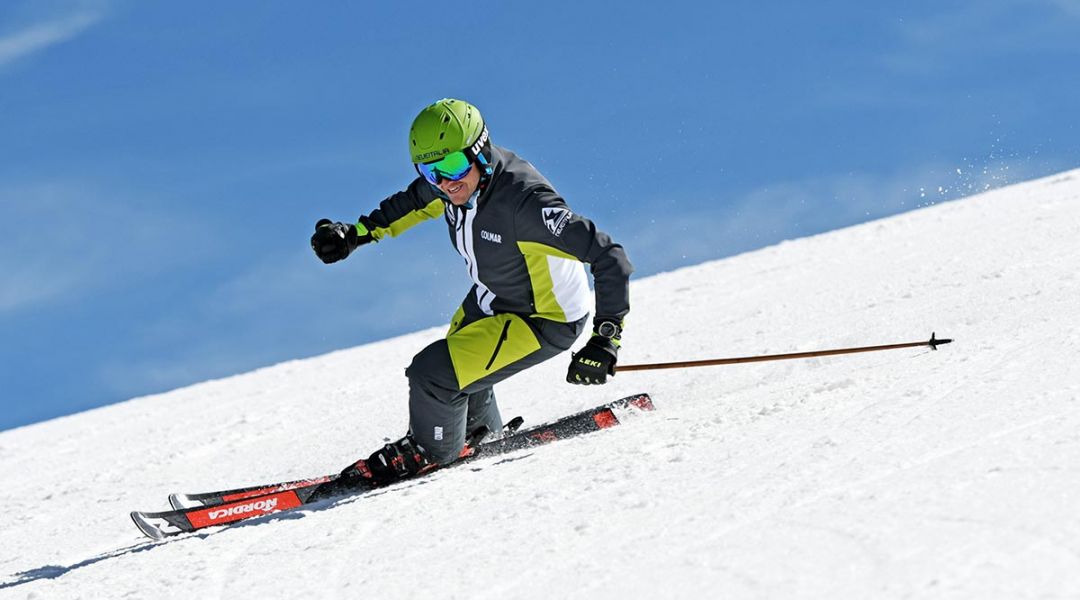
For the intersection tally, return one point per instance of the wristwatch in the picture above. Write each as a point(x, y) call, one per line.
point(608, 329)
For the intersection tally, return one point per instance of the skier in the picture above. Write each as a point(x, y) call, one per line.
point(523, 247)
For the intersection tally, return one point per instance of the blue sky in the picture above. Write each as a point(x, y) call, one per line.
point(162, 164)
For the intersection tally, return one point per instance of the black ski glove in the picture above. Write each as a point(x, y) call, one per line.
point(593, 363)
point(334, 241)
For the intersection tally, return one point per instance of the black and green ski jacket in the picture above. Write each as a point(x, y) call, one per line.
point(523, 246)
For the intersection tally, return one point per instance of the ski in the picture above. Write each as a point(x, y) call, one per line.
point(186, 501)
point(245, 504)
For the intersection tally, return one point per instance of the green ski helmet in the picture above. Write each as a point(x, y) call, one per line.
point(445, 127)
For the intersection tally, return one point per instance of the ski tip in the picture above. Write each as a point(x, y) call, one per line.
point(148, 529)
point(179, 501)
point(643, 402)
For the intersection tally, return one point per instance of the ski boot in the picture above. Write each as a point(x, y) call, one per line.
point(405, 458)
point(393, 462)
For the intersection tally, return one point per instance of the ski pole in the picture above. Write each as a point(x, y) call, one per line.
point(933, 344)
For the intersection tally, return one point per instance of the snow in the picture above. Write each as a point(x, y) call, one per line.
point(907, 473)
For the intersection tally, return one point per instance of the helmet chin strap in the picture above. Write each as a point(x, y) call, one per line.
point(485, 179)
point(469, 204)
point(485, 174)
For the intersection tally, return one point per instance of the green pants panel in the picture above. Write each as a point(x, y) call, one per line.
point(450, 381)
point(487, 345)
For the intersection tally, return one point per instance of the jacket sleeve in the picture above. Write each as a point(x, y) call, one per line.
point(399, 212)
point(544, 222)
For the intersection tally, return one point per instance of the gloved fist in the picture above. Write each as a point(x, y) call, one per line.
point(593, 363)
point(334, 241)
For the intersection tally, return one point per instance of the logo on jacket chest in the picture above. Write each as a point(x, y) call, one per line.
point(491, 237)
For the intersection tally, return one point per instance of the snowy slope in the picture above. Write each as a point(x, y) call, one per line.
point(909, 473)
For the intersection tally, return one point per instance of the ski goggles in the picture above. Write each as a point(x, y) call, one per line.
point(452, 167)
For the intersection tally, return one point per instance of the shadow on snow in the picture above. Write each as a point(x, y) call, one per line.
point(57, 571)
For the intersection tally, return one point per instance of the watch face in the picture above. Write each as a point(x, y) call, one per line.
point(608, 330)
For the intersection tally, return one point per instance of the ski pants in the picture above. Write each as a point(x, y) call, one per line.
point(450, 381)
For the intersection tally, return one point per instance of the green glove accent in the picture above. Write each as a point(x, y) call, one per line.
point(363, 234)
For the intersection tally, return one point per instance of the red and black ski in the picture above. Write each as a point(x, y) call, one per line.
point(245, 503)
point(186, 501)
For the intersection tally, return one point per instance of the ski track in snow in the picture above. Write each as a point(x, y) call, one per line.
point(898, 474)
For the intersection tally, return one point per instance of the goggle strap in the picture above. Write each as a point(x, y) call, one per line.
point(476, 150)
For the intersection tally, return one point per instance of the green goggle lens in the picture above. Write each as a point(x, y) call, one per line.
point(453, 166)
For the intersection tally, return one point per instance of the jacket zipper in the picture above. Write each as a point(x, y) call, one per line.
point(502, 338)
